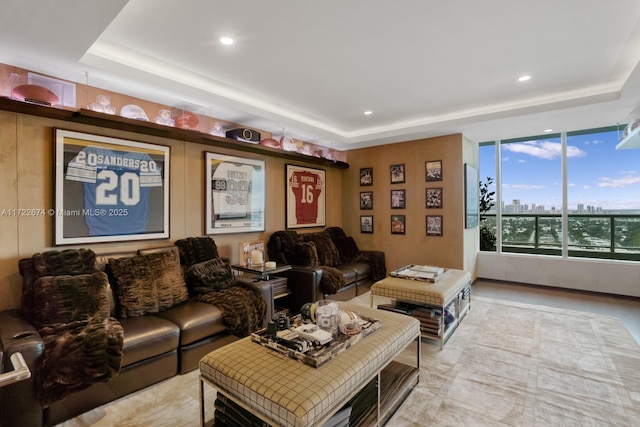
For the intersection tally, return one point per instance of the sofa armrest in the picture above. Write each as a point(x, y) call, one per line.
point(304, 284)
point(19, 402)
point(266, 292)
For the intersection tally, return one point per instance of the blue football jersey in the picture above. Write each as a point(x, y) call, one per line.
point(116, 189)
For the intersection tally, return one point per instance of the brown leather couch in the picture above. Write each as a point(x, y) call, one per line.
point(156, 347)
point(352, 271)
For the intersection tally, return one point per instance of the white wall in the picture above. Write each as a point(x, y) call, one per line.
point(612, 277)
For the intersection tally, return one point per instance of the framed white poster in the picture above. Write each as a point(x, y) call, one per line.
point(306, 195)
point(234, 193)
point(109, 189)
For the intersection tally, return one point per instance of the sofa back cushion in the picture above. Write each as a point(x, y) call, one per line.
point(347, 248)
point(281, 246)
point(209, 276)
point(66, 299)
point(52, 263)
point(327, 251)
point(146, 284)
point(194, 250)
point(305, 254)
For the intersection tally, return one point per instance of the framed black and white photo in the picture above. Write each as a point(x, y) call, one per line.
point(398, 224)
point(109, 189)
point(366, 200)
point(434, 225)
point(434, 197)
point(306, 195)
point(433, 170)
point(234, 194)
point(366, 176)
point(366, 224)
point(398, 199)
point(471, 197)
point(397, 173)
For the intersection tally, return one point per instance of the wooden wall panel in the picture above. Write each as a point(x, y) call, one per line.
point(26, 181)
point(415, 246)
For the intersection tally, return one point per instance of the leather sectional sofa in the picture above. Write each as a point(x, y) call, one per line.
point(325, 265)
point(155, 347)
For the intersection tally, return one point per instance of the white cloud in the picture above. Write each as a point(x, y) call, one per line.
point(543, 149)
point(586, 187)
point(594, 142)
point(523, 187)
point(522, 161)
point(619, 182)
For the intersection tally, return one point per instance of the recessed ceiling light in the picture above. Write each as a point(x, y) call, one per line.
point(548, 130)
point(368, 113)
point(523, 78)
point(226, 40)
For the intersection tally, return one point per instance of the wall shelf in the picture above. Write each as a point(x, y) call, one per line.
point(90, 117)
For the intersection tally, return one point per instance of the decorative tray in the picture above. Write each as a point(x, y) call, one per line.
point(317, 355)
point(423, 273)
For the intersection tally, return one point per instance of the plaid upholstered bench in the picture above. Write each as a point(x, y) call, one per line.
point(282, 391)
point(453, 287)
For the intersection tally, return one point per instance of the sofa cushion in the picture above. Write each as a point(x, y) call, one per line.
point(305, 254)
point(148, 336)
point(67, 262)
point(360, 270)
point(194, 250)
point(52, 263)
point(65, 299)
point(347, 248)
point(212, 275)
point(196, 320)
point(327, 251)
point(147, 284)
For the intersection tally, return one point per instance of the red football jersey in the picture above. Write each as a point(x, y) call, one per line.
point(306, 187)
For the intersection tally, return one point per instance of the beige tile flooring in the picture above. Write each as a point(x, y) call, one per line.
point(626, 309)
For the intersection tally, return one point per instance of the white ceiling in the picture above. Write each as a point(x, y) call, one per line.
point(423, 67)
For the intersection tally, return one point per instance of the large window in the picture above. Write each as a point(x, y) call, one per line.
point(593, 212)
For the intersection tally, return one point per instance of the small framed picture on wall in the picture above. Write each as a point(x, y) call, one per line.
point(397, 173)
point(366, 200)
point(434, 197)
point(398, 224)
point(433, 170)
point(366, 176)
point(398, 199)
point(366, 224)
point(434, 225)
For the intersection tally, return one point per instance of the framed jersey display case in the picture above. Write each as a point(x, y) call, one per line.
point(306, 195)
point(109, 189)
point(234, 192)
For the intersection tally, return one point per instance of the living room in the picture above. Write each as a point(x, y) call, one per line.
point(28, 166)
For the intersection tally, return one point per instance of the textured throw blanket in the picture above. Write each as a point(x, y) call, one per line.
point(242, 308)
point(66, 299)
point(77, 355)
point(210, 280)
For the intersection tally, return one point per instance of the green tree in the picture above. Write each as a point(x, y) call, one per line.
point(487, 235)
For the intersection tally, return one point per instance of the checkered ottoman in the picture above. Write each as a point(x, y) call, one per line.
point(287, 392)
point(439, 294)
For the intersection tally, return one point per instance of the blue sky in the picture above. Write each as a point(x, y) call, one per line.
point(598, 174)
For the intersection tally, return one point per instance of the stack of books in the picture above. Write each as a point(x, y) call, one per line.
point(230, 414)
point(430, 317)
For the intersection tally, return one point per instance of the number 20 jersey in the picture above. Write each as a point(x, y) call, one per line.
point(116, 189)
